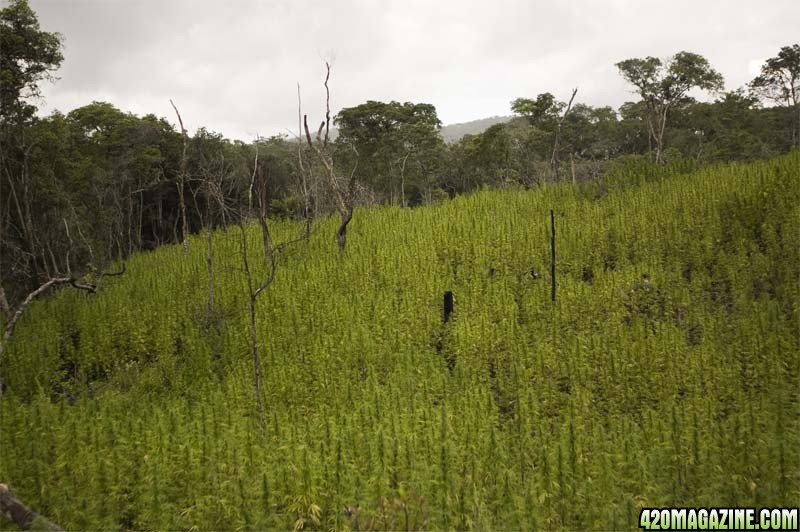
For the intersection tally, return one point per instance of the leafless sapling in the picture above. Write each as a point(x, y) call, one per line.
point(344, 189)
point(182, 177)
point(555, 160)
point(258, 188)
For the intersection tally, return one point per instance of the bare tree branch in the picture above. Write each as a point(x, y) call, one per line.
point(327, 101)
point(303, 177)
point(555, 160)
point(343, 192)
point(182, 182)
point(13, 315)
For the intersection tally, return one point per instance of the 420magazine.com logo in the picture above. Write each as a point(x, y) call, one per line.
point(718, 519)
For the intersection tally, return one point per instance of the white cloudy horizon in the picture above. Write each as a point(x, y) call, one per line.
point(233, 67)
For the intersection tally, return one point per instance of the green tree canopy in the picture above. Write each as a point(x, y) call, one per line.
point(542, 112)
point(664, 85)
point(779, 81)
point(397, 143)
point(29, 55)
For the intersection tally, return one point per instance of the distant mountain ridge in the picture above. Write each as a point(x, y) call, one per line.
point(453, 132)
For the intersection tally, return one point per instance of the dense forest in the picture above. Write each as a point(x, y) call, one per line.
point(184, 346)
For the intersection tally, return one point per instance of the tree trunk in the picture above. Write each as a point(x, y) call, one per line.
point(210, 270)
point(552, 256)
point(21, 515)
point(555, 160)
point(253, 293)
point(256, 362)
point(341, 233)
point(184, 224)
point(182, 183)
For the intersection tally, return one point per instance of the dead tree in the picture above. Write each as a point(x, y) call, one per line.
point(253, 292)
point(403, 180)
point(305, 175)
point(212, 176)
point(258, 188)
point(343, 188)
point(21, 515)
point(12, 315)
point(555, 160)
point(182, 176)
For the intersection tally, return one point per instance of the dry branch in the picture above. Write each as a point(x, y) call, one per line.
point(555, 160)
point(344, 193)
point(21, 515)
point(182, 182)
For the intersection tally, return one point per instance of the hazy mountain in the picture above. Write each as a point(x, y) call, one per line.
point(453, 132)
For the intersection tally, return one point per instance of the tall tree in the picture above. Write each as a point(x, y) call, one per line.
point(543, 116)
point(397, 144)
point(29, 55)
point(779, 82)
point(543, 112)
point(555, 160)
point(662, 86)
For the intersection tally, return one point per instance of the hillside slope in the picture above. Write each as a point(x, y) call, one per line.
point(130, 410)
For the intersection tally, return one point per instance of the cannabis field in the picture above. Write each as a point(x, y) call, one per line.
point(134, 409)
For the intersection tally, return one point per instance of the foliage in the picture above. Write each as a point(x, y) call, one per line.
point(780, 77)
point(664, 86)
point(29, 56)
point(126, 411)
point(397, 146)
point(779, 81)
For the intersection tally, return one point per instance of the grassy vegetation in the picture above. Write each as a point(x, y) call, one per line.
point(128, 409)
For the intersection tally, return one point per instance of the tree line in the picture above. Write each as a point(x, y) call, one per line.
point(82, 189)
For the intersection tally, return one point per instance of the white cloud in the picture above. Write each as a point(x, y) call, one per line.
point(233, 66)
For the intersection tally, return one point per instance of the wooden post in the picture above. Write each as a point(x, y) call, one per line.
point(552, 256)
point(448, 305)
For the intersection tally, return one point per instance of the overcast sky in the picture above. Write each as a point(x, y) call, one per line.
point(232, 66)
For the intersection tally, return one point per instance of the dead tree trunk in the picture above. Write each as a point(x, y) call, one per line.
point(552, 256)
point(254, 292)
point(182, 183)
point(263, 207)
point(304, 175)
point(344, 192)
point(12, 315)
point(259, 187)
point(21, 515)
point(555, 160)
point(403, 181)
point(341, 233)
